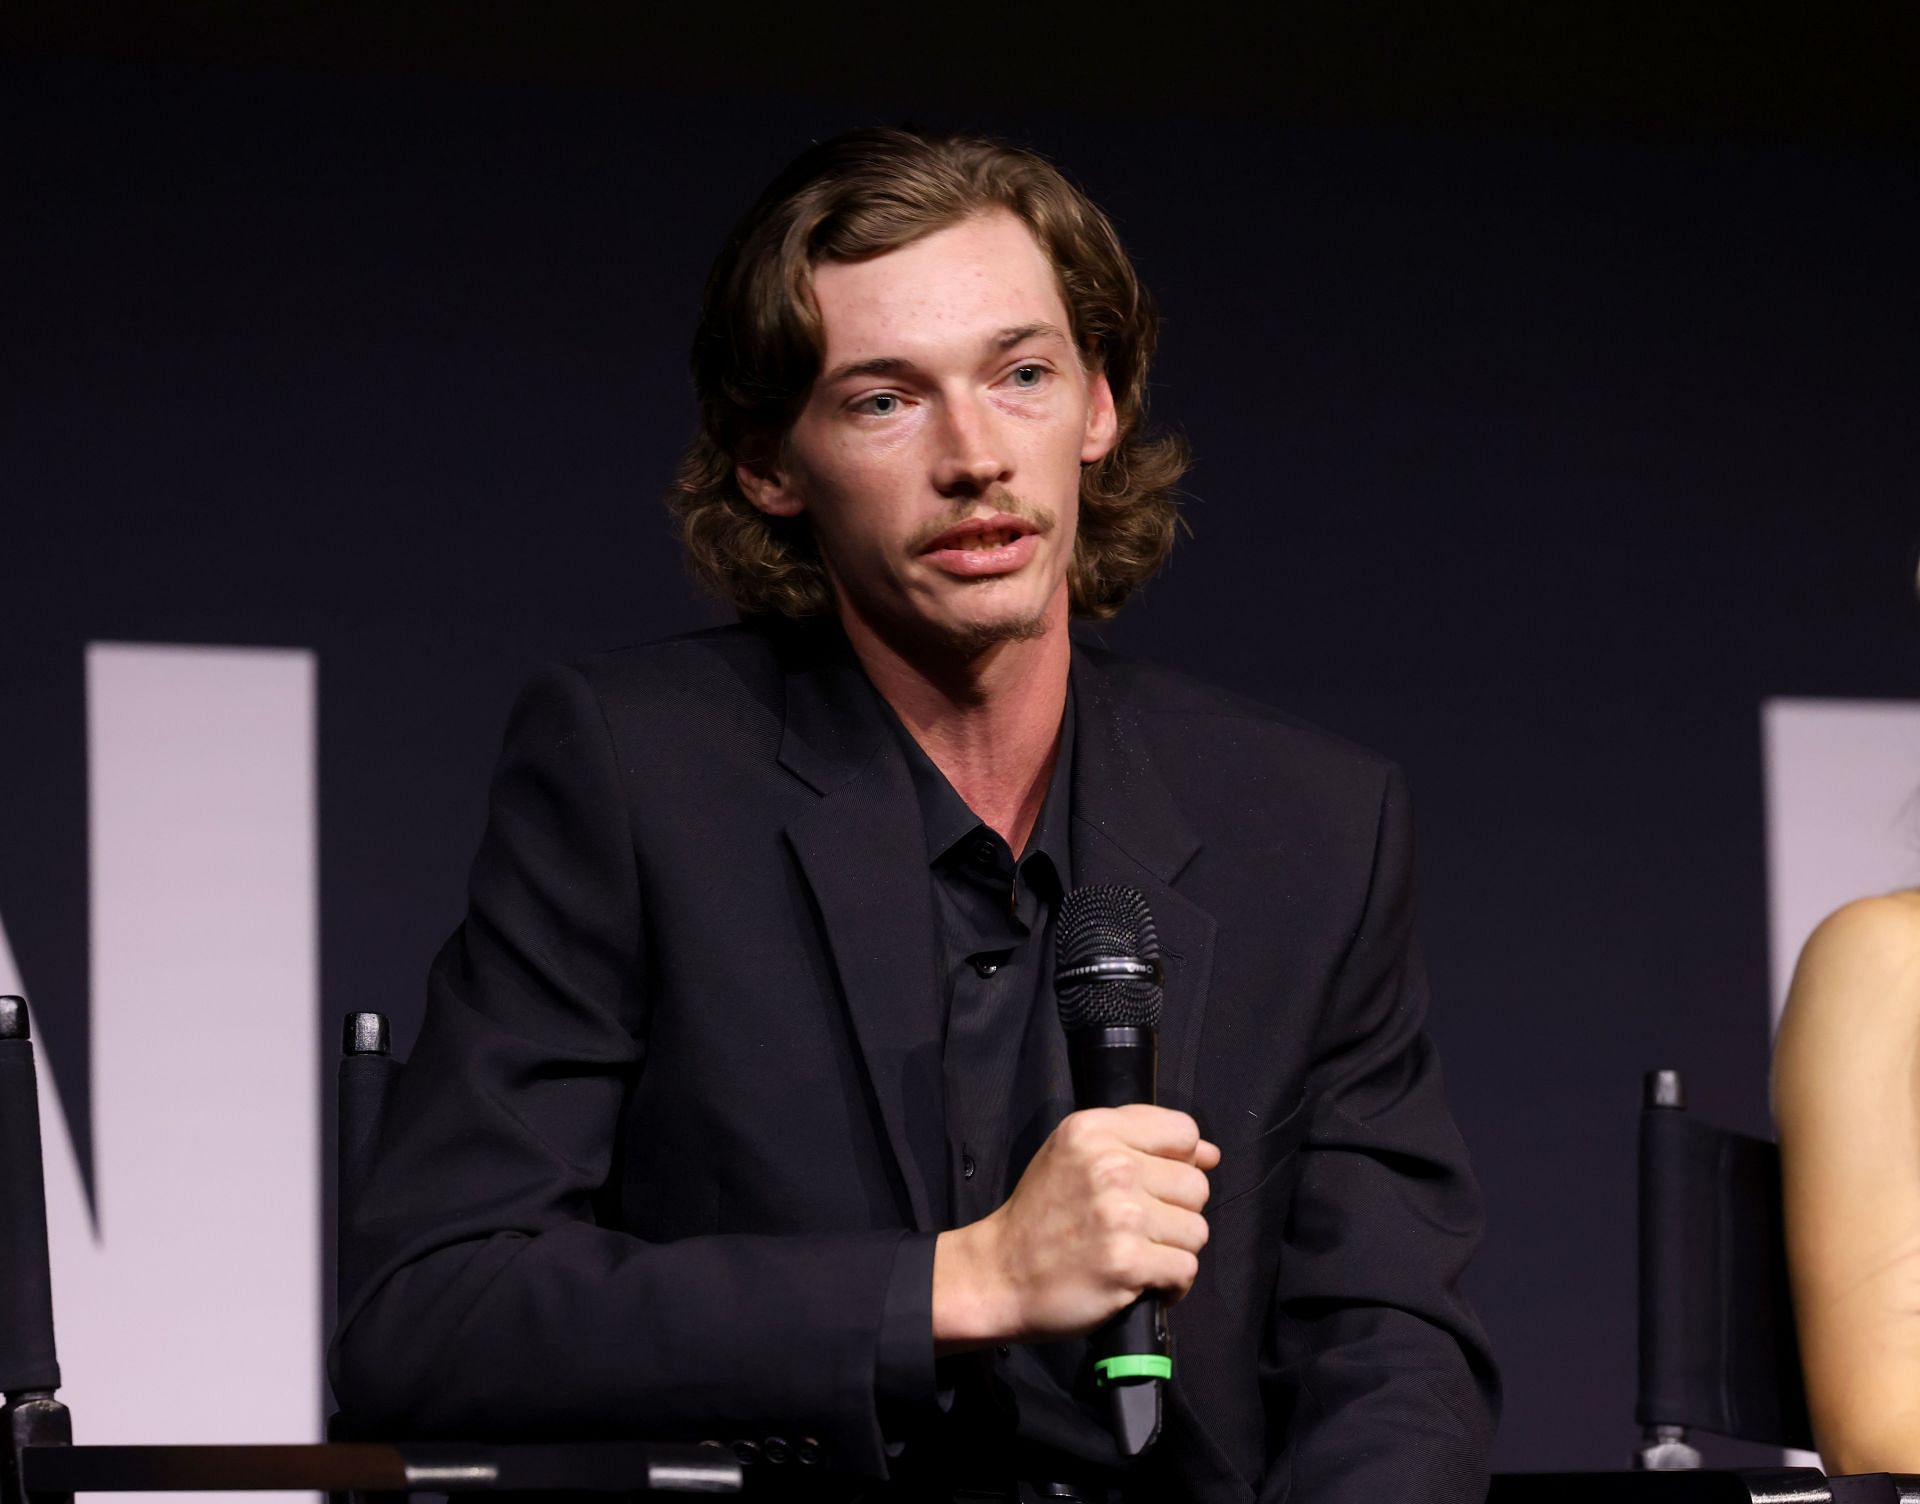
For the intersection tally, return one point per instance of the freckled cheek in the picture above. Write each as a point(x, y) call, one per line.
point(888, 467)
point(873, 511)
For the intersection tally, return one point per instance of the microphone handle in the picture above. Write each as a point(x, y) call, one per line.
point(1112, 1066)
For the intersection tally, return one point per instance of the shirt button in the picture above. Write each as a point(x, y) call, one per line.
point(986, 966)
point(984, 852)
point(966, 1167)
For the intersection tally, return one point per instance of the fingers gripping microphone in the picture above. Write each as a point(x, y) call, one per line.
point(1107, 976)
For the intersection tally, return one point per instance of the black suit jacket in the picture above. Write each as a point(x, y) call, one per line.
point(678, 1092)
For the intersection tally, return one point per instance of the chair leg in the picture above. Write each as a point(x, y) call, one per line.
point(33, 1417)
point(1664, 1449)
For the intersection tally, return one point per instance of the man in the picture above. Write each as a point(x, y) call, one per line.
point(741, 1111)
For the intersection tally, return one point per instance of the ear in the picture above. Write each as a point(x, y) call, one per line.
point(1102, 425)
point(769, 488)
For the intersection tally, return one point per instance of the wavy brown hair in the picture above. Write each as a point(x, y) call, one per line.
point(758, 348)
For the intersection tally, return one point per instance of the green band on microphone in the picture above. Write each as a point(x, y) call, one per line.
point(1134, 1366)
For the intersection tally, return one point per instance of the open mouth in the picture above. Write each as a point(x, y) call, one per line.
point(981, 535)
point(975, 542)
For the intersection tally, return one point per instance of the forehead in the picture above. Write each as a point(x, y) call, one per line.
point(957, 286)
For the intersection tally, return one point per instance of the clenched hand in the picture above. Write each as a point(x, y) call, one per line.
point(1108, 1209)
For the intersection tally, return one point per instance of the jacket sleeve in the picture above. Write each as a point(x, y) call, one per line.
point(1377, 1377)
point(495, 1302)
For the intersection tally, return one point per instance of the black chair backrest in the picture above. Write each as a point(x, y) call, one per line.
point(367, 1073)
point(27, 1359)
point(1717, 1344)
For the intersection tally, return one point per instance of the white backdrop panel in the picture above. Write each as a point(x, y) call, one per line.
point(190, 1312)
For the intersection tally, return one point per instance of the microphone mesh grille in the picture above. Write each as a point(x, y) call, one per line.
point(1106, 921)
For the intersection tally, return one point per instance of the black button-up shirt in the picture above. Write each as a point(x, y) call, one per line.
point(1004, 1057)
point(1004, 1060)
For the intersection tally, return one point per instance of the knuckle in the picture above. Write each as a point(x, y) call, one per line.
point(1119, 1214)
point(1084, 1132)
point(1113, 1170)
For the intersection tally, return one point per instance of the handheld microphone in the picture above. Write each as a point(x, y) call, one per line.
point(1107, 977)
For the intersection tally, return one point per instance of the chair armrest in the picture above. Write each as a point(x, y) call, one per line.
point(380, 1467)
point(1789, 1485)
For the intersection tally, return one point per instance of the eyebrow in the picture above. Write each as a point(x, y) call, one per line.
point(1006, 339)
point(893, 365)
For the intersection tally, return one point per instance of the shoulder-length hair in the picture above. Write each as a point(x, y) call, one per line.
point(758, 349)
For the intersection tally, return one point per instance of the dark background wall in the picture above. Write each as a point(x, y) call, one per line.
point(1553, 385)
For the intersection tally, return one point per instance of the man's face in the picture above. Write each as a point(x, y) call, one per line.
point(938, 454)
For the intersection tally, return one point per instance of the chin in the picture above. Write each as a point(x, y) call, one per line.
point(971, 637)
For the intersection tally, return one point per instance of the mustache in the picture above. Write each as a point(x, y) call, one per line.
point(1002, 503)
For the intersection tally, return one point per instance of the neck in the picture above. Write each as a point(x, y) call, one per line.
point(990, 720)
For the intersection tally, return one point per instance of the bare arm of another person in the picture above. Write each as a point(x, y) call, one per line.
point(1846, 1100)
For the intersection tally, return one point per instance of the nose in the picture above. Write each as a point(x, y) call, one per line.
point(971, 459)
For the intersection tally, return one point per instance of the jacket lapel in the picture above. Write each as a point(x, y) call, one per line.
point(1129, 831)
point(863, 853)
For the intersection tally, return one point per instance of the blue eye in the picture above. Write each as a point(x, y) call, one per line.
point(880, 404)
point(1028, 377)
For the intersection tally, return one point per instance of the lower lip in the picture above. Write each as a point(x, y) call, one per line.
point(978, 563)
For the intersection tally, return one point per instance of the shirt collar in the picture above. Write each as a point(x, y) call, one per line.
point(949, 820)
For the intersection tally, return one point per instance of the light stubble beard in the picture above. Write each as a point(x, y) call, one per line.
point(974, 638)
point(969, 640)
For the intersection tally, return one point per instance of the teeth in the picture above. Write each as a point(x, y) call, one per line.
point(982, 541)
